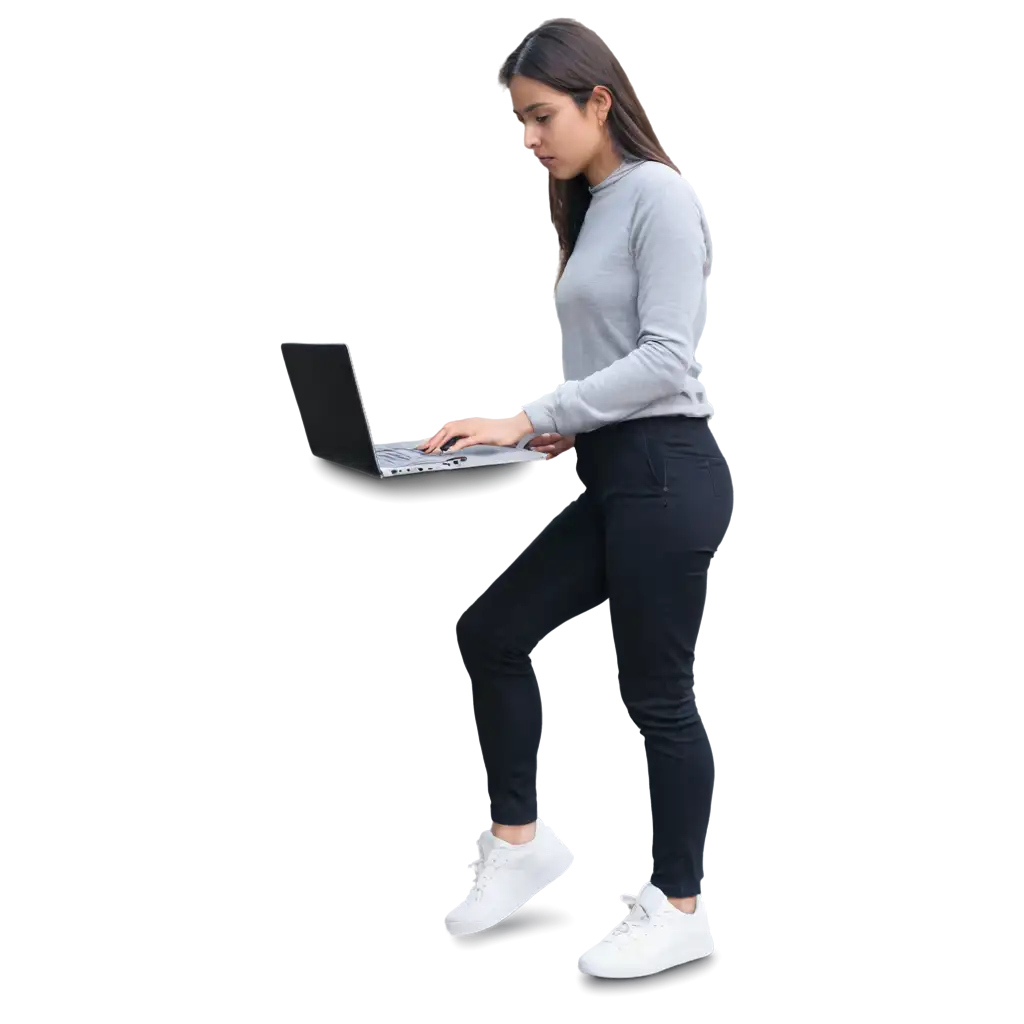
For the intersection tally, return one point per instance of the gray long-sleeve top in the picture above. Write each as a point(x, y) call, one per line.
point(632, 303)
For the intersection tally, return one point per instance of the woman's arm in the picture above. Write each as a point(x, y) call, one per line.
point(671, 255)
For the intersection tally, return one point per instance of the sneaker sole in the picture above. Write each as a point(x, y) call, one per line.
point(640, 972)
point(471, 928)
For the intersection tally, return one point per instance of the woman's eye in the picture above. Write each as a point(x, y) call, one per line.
point(542, 118)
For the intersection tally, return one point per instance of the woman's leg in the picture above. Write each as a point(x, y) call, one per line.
point(661, 533)
point(558, 576)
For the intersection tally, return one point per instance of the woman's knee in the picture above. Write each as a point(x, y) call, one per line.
point(662, 709)
point(482, 634)
point(480, 648)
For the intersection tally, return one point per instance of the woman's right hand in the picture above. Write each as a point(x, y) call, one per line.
point(551, 444)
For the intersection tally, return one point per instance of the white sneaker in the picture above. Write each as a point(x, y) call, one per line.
point(507, 875)
point(653, 936)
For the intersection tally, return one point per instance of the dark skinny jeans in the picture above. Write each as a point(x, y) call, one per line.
point(657, 502)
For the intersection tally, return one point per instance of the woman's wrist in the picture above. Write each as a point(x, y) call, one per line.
point(523, 421)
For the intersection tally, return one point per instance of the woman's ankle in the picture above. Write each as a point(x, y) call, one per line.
point(687, 904)
point(515, 834)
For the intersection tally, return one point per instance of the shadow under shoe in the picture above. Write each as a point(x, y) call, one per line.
point(536, 920)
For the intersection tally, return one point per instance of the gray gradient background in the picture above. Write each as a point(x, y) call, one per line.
point(237, 776)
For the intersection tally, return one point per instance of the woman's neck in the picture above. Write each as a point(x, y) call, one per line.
point(602, 166)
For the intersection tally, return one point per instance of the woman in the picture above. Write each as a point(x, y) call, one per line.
point(658, 498)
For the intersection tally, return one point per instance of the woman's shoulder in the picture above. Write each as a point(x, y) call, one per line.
point(659, 186)
point(655, 170)
point(652, 177)
point(663, 194)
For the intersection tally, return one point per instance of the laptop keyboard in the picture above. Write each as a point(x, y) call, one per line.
point(403, 456)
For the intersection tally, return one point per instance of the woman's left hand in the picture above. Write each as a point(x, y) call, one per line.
point(479, 431)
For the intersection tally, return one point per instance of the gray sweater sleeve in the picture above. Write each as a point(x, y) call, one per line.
point(666, 239)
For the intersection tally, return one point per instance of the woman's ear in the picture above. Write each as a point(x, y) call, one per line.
point(602, 102)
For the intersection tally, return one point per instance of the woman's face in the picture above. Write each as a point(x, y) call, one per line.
point(555, 127)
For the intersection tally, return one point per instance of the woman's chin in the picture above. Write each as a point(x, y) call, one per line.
point(556, 171)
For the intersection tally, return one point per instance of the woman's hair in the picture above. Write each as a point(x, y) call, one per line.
point(567, 56)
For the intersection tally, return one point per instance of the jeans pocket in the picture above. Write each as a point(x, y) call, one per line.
point(653, 454)
point(721, 478)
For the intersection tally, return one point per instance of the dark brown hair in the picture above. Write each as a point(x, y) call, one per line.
point(567, 56)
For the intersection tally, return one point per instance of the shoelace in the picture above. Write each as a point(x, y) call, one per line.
point(480, 865)
point(634, 920)
point(478, 860)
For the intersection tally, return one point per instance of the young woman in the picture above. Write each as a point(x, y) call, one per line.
point(658, 498)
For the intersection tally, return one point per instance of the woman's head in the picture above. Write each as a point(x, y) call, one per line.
point(576, 105)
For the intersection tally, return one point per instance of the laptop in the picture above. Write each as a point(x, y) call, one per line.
point(336, 427)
